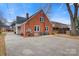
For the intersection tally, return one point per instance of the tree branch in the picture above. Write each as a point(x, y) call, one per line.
point(69, 10)
point(75, 10)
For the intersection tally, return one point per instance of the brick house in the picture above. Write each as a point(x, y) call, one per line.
point(37, 24)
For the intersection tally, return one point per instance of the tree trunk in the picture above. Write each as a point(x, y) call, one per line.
point(73, 28)
point(73, 18)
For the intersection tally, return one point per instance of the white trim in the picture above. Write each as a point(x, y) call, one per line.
point(17, 30)
point(34, 28)
point(42, 19)
point(46, 30)
point(18, 24)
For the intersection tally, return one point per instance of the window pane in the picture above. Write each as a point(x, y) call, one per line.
point(46, 28)
point(42, 19)
point(36, 28)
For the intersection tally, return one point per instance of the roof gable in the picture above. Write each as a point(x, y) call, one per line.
point(22, 20)
point(33, 16)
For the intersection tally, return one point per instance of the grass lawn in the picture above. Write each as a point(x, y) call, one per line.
point(2, 44)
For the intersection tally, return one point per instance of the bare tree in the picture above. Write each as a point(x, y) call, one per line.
point(47, 8)
point(73, 17)
point(13, 23)
point(1, 18)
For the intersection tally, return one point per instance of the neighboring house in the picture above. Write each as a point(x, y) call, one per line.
point(4, 28)
point(1, 28)
point(60, 27)
point(37, 24)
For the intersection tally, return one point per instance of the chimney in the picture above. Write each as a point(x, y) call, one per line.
point(27, 16)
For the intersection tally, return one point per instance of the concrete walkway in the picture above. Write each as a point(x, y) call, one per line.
point(48, 45)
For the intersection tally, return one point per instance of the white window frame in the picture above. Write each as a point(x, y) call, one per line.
point(41, 19)
point(46, 29)
point(36, 29)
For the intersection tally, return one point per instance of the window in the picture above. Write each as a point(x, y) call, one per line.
point(46, 28)
point(36, 28)
point(42, 19)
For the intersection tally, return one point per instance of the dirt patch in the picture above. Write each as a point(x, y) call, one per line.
point(2, 45)
point(67, 36)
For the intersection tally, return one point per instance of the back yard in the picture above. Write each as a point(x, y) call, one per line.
point(48, 45)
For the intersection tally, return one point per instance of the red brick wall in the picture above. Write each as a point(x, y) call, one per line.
point(36, 21)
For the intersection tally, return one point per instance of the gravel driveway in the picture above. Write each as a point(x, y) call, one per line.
point(48, 45)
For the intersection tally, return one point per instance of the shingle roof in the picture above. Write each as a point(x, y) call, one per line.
point(20, 20)
point(59, 25)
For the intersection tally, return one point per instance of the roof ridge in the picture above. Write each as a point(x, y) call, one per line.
point(36, 12)
point(21, 16)
point(33, 15)
point(59, 22)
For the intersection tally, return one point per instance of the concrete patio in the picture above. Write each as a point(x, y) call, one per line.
point(48, 45)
